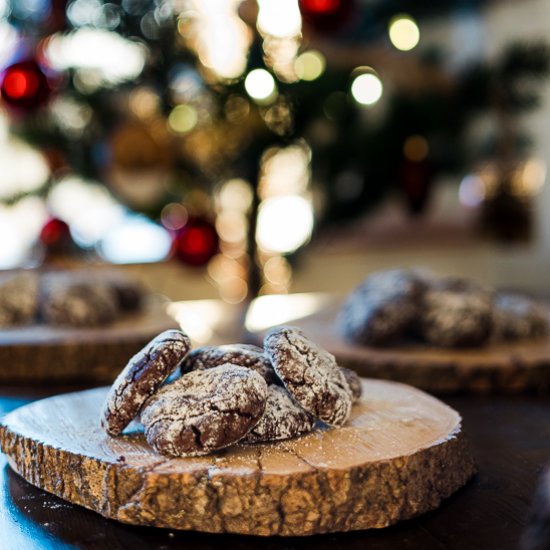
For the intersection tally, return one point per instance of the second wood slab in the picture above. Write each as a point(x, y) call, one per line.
point(514, 367)
point(401, 453)
point(53, 354)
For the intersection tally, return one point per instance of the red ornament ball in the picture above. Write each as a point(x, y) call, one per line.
point(55, 234)
point(25, 86)
point(326, 15)
point(196, 242)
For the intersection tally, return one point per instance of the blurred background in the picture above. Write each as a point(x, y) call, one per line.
point(226, 148)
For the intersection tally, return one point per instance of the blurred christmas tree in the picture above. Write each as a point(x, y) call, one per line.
point(237, 124)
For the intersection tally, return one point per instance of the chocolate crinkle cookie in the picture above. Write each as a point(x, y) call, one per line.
point(354, 383)
point(516, 317)
point(242, 355)
point(204, 411)
point(381, 308)
point(283, 418)
point(18, 298)
point(142, 377)
point(129, 293)
point(310, 374)
point(450, 318)
point(71, 302)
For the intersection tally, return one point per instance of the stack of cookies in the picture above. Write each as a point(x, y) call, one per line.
point(192, 403)
point(450, 312)
point(72, 298)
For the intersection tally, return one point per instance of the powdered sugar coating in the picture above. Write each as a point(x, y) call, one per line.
point(204, 411)
point(455, 319)
point(381, 308)
point(516, 317)
point(141, 378)
point(18, 298)
point(310, 374)
point(283, 418)
point(242, 355)
point(67, 299)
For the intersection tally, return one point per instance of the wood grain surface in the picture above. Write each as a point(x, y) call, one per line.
point(511, 368)
point(50, 354)
point(400, 455)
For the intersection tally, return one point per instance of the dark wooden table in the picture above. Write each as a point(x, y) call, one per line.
point(510, 437)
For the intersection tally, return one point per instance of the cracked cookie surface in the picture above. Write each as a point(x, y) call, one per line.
point(310, 374)
point(241, 355)
point(204, 411)
point(72, 301)
point(142, 377)
point(283, 418)
point(381, 308)
point(516, 317)
point(455, 318)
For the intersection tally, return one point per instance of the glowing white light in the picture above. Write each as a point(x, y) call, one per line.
point(113, 57)
point(260, 85)
point(404, 32)
point(471, 192)
point(279, 18)
point(222, 38)
point(8, 41)
point(88, 208)
point(24, 169)
point(285, 171)
point(135, 240)
point(310, 65)
point(268, 311)
point(367, 89)
point(19, 226)
point(284, 223)
point(198, 318)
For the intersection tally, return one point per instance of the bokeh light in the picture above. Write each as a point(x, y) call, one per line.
point(260, 85)
point(471, 191)
point(99, 53)
point(416, 148)
point(135, 240)
point(367, 89)
point(24, 169)
point(404, 32)
point(310, 65)
point(221, 39)
point(88, 208)
point(280, 18)
point(20, 225)
point(174, 216)
point(183, 119)
point(284, 223)
point(235, 194)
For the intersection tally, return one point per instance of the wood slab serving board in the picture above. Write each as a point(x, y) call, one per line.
point(43, 353)
point(515, 367)
point(400, 455)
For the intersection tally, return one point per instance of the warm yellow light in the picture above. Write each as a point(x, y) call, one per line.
point(183, 119)
point(309, 65)
point(260, 85)
point(404, 32)
point(416, 148)
point(235, 195)
point(268, 311)
point(284, 223)
point(367, 89)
